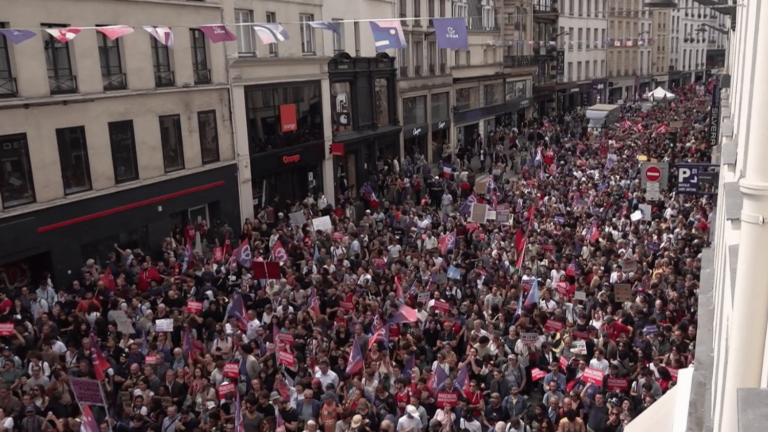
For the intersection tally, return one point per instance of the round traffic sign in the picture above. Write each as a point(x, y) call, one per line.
point(652, 173)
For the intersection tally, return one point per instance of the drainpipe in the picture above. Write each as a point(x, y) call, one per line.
point(747, 330)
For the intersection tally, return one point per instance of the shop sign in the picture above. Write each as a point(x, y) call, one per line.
point(441, 125)
point(575, 90)
point(560, 62)
point(288, 118)
point(525, 103)
point(337, 149)
point(291, 159)
point(416, 131)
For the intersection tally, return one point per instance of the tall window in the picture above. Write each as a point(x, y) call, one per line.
point(431, 10)
point(272, 18)
point(341, 107)
point(307, 33)
point(244, 33)
point(460, 9)
point(414, 110)
point(338, 38)
point(494, 94)
point(73, 155)
point(199, 57)
point(580, 43)
point(61, 80)
point(382, 101)
point(439, 103)
point(489, 17)
point(432, 58)
point(161, 62)
point(7, 82)
point(173, 147)
point(209, 136)
point(418, 56)
point(123, 144)
point(112, 75)
point(16, 184)
point(417, 11)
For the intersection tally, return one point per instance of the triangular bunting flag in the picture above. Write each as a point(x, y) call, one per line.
point(164, 35)
point(333, 26)
point(388, 34)
point(114, 32)
point(218, 33)
point(17, 36)
point(270, 33)
point(64, 35)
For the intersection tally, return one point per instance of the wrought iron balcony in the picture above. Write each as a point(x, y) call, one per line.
point(62, 84)
point(114, 82)
point(518, 61)
point(164, 79)
point(7, 87)
point(202, 76)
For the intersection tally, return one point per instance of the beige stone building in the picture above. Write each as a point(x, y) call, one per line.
point(105, 142)
point(624, 51)
point(662, 24)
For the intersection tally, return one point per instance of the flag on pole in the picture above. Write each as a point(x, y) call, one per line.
point(380, 335)
point(533, 294)
point(278, 253)
point(404, 314)
point(355, 362)
point(108, 279)
point(466, 208)
point(187, 258)
point(447, 242)
point(410, 363)
point(89, 422)
point(100, 363)
point(399, 285)
point(521, 254)
point(242, 255)
point(237, 310)
point(462, 380)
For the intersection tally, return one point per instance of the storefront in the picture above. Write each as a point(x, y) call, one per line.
point(440, 145)
point(477, 106)
point(415, 127)
point(61, 238)
point(544, 101)
point(686, 78)
point(287, 174)
point(661, 81)
point(646, 85)
point(597, 92)
point(572, 97)
point(675, 79)
point(698, 76)
point(481, 121)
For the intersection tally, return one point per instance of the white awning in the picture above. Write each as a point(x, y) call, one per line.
point(670, 413)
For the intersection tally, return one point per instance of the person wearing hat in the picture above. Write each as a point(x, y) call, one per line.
point(359, 425)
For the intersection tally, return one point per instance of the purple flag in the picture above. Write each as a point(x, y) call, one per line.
point(410, 363)
point(333, 26)
point(462, 380)
point(404, 314)
point(164, 35)
point(388, 34)
point(440, 377)
point(451, 33)
point(355, 362)
point(17, 36)
point(218, 33)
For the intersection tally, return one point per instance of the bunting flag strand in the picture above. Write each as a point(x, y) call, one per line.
point(218, 33)
point(17, 36)
point(332, 26)
point(163, 34)
point(64, 35)
point(388, 34)
point(114, 32)
point(270, 33)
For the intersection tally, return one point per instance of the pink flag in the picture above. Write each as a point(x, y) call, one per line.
point(355, 362)
point(218, 33)
point(89, 423)
point(404, 314)
point(116, 31)
point(164, 35)
point(65, 34)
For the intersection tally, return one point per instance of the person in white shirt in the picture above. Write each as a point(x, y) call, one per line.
point(410, 422)
point(556, 272)
point(326, 375)
point(599, 362)
point(430, 242)
point(394, 250)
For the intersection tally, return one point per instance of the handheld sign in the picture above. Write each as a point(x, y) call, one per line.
point(194, 307)
point(593, 376)
point(231, 370)
point(537, 374)
point(164, 325)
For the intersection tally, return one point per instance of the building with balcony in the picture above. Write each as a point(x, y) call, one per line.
point(661, 47)
point(629, 39)
point(519, 63)
point(110, 141)
point(692, 38)
point(583, 26)
point(548, 90)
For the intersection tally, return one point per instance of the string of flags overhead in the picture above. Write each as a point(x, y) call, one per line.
point(594, 44)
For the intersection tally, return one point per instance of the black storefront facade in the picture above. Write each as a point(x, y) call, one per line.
point(646, 85)
point(364, 115)
point(597, 91)
point(469, 122)
point(440, 130)
point(288, 174)
point(517, 108)
point(61, 238)
point(675, 79)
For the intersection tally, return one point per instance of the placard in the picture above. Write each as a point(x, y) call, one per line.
point(445, 398)
point(579, 347)
point(286, 338)
point(503, 216)
point(529, 338)
point(298, 218)
point(563, 363)
point(454, 273)
point(617, 384)
point(218, 254)
point(650, 330)
point(479, 213)
point(537, 374)
point(442, 306)
point(346, 306)
point(423, 297)
point(231, 370)
point(562, 288)
point(636, 216)
point(379, 264)
point(322, 223)
point(287, 358)
point(580, 295)
point(581, 335)
point(225, 389)
point(194, 307)
point(440, 278)
point(472, 226)
point(646, 210)
point(164, 325)
point(152, 360)
point(124, 324)
point(553, 326)
point(622, 293)
point(87, 391)
point(490, 215)
point(629, 265)
point(481, 187)
point(166, 401)
point(593, 376)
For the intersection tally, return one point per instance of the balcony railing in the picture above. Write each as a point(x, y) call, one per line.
point(417, 70)
point(202, 76)
point(518, 61)
point(7, 87)
point(63, 84)
point(164, 79)
point(114, 82)
point(403, 71)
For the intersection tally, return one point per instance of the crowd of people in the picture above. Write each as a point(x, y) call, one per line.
point(557, 310)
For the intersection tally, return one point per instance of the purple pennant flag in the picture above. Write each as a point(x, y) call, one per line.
point(451, 33)
point(218, 33)
point(17, 36)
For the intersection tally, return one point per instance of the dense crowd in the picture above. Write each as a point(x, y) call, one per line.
point(556, 308)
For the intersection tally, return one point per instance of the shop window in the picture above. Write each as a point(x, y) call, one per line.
point(415, 110)
point(341, 106)
point(101, 249)
point(382, 102)
point(439, 106)
point(516, 89)
point(494, 94)
point(73, 155)
point(263, 104)
point(173, 147)
point(123, 144)
point(16, 182)
point(467, 98)
point(209, 136)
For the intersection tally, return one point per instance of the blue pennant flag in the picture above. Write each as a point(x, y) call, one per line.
point(388, 34)
point(451, 33)
point(333, 26)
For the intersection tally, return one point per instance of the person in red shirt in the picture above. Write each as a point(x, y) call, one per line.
point(615, 328)
point(5, 303)
point(146, 275)
point(189, 232)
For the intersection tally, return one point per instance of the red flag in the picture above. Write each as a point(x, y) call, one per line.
point(519, 240)
point(89, 423)
point(227, 245)
point(100, 363)
point(521, 254)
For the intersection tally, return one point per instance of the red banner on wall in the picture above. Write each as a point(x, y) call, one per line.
point(288, 118)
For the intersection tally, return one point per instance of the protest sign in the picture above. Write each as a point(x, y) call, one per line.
point(481, 187)
point(650, 330)
point(445, 398)
point(537, 374)
point(442, 306)
point(647, 211)
point(225, 389)
point(346, 306)
point(479, 213)
point(622, 293)
point(87, 391)
point(579, 347)
point(629, 265)
point(166, 401)
point(454, 273)
point(581, 335)
point(562, 288)
point(563, 363)
point(593, 376)
point(287, 358)
point(580, 295)
point(440, 278)
point(636, 216)
point(322, 223)
point(164, 325)
point(218, 254)
point(152, 360)
point(490, 215)
point(423, 297)
point(617, 384)
point(286, 338)
point(298, 218)
point(7, 329)
point(194, 307)
point(503, 216)
point(472, 226)
point(529, 338)
point(231, 370)
point(553, 326)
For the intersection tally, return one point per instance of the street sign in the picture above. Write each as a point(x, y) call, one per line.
point(652, 174)
point(697, 179)
point(652, 191)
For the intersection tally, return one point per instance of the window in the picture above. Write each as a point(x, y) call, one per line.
point(123, 144)
point(589, 38)
point(262, 104)
point(338, 39)
point(73, 155)
point(382, 101)
point(439, 106)
point(431, 9)
point(16, 182)
point(271, 19)
point(209, 136)
point(403, 8)
point(581, 7)
point(418, 56)
point(515, 90)
point(417, 11)
point(494, 94)
point(414, 110)
point(580, 38)
point(61, 80)
point(199, 58)
point(489, 15)
point(307, 34)
point(589, 7)
point(341, 107)
point(170, 138)
point(467, 98)
point(578, 71)
point(112, 76)
point(586, 70)
point(244, 32)
point(570, 71)
point(460, 9)
point(7, 82)
point(432, 58)
point(161, 62)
